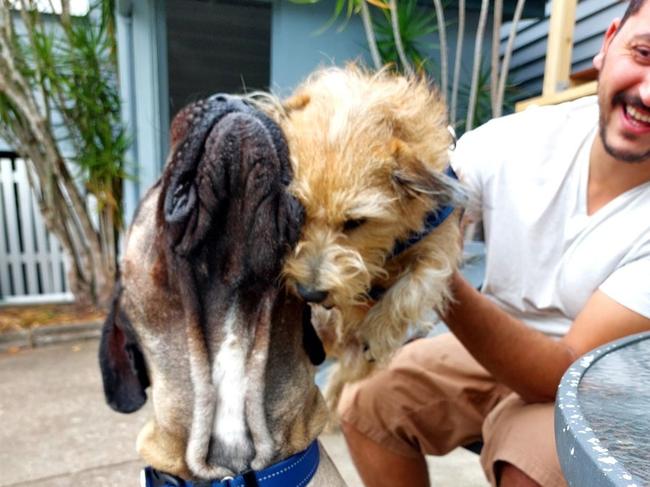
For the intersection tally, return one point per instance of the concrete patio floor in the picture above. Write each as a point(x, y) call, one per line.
point(56, 431)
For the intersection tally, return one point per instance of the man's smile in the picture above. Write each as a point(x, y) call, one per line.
point(637, 115)
point(635, 119)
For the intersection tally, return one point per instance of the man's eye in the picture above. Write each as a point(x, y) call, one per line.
point(354, 223)
point(643, 52)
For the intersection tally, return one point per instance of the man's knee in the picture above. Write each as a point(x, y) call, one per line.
point(393, 391)
point(520, 443)
point(385, 406)
point(423, 401)
point(510, 476)
point(367, 400)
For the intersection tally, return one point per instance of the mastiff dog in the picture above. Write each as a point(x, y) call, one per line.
point(201, 318)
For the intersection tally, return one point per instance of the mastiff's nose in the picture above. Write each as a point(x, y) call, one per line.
point(311, 295)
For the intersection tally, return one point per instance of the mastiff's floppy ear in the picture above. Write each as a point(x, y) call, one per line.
point(124, 372)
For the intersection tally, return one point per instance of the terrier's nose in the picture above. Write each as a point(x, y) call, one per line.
point(311, 295)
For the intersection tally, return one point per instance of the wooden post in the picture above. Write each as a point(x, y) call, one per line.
point(560, 46)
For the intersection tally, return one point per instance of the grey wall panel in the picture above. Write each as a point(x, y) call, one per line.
point(588, 8)
point(582, 65)
point(594, 25)
point(586, 49)
point(528, 54)
point(216, 46)
point(588, 35)
point(300, 44)
point(527, 73)
point(528, 59)
point(530, 34)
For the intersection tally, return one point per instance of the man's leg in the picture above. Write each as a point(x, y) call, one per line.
point(431, 398)
point(397, 469)
point(511, 476)
point(519, 447)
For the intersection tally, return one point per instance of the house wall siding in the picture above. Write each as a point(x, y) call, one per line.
point(300, 43)
point(142, 59)
point(529, 54)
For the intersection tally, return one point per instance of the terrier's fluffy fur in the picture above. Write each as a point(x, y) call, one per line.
point(368, 154)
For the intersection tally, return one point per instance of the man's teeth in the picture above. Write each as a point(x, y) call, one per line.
point(636, 114)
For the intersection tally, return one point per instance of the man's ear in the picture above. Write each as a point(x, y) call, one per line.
point(124, 372)
point(609, 36)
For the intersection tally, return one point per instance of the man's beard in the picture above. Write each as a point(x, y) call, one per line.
point(621, 155)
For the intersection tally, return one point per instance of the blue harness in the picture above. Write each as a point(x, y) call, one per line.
point(432, 220)
point(295, 471)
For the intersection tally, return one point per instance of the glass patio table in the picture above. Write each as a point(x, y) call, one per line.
point(602, 416)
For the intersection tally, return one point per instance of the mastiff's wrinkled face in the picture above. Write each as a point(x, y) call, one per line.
point(200, 295)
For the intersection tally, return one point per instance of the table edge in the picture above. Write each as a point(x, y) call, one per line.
point(578, 448)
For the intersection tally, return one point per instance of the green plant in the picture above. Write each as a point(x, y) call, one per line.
point(396, 33)
point(60, 108)
point(483, 107)
point(415, 24)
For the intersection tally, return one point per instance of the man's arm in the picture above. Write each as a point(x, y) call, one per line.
point(527, 361)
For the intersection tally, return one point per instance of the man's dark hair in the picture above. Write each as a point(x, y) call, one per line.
point(632, 8)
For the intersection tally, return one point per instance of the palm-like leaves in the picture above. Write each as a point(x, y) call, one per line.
point(90, 106)
point(483, 107)
point(398, 35)
point(60, 109)
point(415, 25)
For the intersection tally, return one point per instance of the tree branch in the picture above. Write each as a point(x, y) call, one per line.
point(408, 69)
point(480, 30)
point(496, 44)
point(507, 55)
point(457, 60)
point(370, 35)
point(442, 35)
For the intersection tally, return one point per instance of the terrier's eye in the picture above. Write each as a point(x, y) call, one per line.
point(352, 224)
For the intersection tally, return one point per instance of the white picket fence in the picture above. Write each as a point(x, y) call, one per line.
point(32, 264)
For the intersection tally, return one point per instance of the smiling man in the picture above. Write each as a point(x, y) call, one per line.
point(564, 195)
point(624, 90)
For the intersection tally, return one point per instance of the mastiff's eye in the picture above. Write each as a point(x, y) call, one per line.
point(350, 225)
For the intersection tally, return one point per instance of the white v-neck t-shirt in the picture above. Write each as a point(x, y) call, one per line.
point(545, 256)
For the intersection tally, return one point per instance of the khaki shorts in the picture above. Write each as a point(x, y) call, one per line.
point(434, 397)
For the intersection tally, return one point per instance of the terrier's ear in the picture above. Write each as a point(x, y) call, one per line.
point(124, 372)
point(296, 102)
point(413, 179)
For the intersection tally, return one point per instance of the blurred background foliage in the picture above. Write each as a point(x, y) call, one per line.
point(472, 98)
point(60, 110)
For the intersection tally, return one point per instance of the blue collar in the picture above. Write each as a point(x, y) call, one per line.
point(432, 220)
point(296, 471)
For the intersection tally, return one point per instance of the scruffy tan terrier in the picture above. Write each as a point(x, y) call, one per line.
point(369, 153)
